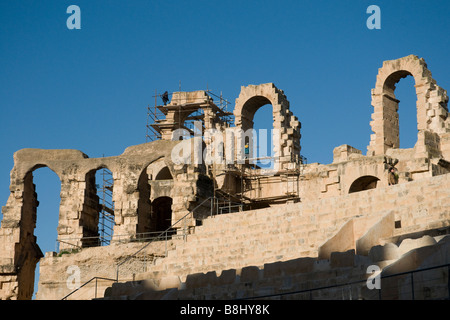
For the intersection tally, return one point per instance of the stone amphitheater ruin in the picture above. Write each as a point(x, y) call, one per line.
point(295, 231)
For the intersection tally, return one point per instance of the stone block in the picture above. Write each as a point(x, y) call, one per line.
point(249, 274)
point(300, 265)
point(342, 259)
point(199, 280)
point(389, 251)
point(410, 244)
point(168, 282)
point(272, 270)
point(227, 277)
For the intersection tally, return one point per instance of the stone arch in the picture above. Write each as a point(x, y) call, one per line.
point(144, 208)
point(98, 205)
point(286, 126)
point(249, 108)
point(90, 209)
point(364, 183)
point(160, 167)
point(164, 174)
point(18, 224)
point(155, 181)
point(30, 200)
point(431, 105)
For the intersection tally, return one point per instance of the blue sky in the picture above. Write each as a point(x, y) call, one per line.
point(88, 89)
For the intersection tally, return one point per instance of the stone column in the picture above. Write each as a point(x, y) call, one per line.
point(19, 252)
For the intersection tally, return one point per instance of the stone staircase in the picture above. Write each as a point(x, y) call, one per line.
point(237, 240)
point(342, 276)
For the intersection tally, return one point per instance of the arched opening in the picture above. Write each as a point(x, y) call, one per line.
point(257, 124)
point(162, 213)
point(105, 185)
point(193, 121)
point(97, 216)
point(405, 93)
point(164, 174)
point(263, 124)
point(144, 205)
point(428, 101)
point(39, 221)
point(391, 109)
point(364, 183)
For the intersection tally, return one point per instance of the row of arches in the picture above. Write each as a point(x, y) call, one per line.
point(42, 194)
point(42, 197)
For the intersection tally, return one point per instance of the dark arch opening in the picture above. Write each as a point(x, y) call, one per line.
point(364, 183)
point(164, 174)
point(250, 107)
point(97, 215)
point(400, 87)
point(144, 205)
point(162, 213)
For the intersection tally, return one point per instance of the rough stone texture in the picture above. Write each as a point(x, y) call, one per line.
point(251, 98)
point(432, 111)
point(79, 208)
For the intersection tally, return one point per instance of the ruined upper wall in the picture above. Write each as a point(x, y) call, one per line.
point(79, 205)
point(286, 126)
point(432, 111)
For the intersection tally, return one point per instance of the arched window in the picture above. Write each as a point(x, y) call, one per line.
point(392, 109)
point(98, 208)
point(364, 183)
point(405, 93)
point(162, 213)
point(285, 145)
point(164, 174)
point(144, 208)
point(430, 105)
point(263, 125)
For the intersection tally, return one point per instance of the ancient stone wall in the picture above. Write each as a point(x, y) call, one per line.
point(167, 175)
point(79, 206)
point(285, 124)
point(432, 111)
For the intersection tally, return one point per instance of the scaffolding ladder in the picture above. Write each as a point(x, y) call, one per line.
point(106, 217)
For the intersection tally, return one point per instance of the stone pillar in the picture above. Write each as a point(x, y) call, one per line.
point(126, 200)
point(79, 211)
point(18, 249)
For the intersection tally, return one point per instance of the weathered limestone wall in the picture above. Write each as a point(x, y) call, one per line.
point(300, 229)
point(60, 274)
point(79, 207)
point(432, 111)
point(251, 98)
point(286, 280)
point(260, 249)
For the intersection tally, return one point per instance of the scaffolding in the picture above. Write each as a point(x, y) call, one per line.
point(156, 115)
point(248, 175)
point(106, 217)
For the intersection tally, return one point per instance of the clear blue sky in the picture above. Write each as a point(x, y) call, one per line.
point(88, 89)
